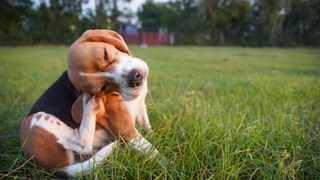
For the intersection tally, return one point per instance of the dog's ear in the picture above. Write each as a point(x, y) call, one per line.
point(77, 110)
point(106, 36)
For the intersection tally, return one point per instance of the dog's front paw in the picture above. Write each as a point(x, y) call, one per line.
point(91, 105)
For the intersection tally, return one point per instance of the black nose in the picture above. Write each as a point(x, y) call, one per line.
point(135, 78)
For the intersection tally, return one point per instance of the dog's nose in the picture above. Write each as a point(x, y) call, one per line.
point(135, 78)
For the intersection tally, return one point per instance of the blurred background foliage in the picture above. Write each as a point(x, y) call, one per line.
point(255, 23)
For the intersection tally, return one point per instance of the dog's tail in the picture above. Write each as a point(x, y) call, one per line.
point(89, 165)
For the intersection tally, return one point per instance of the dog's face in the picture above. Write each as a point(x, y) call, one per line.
point(100, 62)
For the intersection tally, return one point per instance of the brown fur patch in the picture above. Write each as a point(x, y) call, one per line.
point(43, 145)
point(25, 127)
point(58, 123)
point(116, 116)
point(38, 116)
point(46, 118)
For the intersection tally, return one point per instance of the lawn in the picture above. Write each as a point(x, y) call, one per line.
point(249, 113)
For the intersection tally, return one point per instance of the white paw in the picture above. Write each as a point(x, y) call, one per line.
point(90, 104)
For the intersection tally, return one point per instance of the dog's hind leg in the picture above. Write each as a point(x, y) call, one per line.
point(78, 140)
point(90, 164)
point(52, 142)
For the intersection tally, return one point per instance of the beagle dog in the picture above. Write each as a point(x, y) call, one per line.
point(97, 101)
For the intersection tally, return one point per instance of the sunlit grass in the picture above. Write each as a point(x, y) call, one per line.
point(248, 113)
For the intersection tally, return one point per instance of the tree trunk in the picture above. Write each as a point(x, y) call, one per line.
point(99, 8)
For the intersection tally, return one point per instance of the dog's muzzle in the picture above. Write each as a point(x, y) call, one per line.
point(135, 78)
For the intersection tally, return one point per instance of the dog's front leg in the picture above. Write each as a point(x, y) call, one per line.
point(140, 144)
point(142, 116)
point(82, 138)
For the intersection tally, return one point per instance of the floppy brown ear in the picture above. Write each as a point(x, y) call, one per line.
point(77, 110)
point(106, 36)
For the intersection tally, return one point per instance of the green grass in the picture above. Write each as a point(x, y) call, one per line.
point(249, 113)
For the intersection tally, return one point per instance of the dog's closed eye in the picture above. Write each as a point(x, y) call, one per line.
point(106, 55)
point(104, 87)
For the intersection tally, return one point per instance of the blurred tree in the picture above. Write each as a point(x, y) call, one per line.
point(302, 25)
point(185, 18)
point(66, 11)
point(126, 15)
point(107, 13)
point(271, 15)
point(42, 25)
point(227, 21)
point(150, 14)
point(100, 13)
point(180, 17)
point(13, 18)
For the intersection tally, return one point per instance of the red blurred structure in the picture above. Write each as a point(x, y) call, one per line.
point(149, 37)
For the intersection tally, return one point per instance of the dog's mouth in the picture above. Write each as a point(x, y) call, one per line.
point(128, 93)
point(110, 88)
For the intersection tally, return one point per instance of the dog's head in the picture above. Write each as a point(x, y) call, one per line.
point(100, 62)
